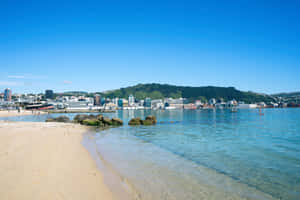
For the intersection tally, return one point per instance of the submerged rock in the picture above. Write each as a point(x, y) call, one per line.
point(152, 119)
point(147, 122)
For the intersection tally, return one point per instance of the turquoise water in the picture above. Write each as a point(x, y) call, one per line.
point(210, 154)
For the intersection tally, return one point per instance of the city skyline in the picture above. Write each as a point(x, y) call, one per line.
point(99, 46)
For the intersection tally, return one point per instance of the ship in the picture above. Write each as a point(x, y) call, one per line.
point(39, 107)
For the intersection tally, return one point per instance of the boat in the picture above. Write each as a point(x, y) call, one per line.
point(39, 107)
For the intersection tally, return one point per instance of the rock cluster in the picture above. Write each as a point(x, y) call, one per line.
point(58, 119)
point(89, 120)
point(149, 120)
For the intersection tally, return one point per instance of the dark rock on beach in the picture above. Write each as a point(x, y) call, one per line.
point(90, 120)
point(107, 121)
point(117, 122)
point(58, 119)
point(97, 120)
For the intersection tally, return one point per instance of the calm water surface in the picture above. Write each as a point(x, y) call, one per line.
point(209, 154)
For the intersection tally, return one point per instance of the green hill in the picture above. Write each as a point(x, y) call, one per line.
point(158, 91)
point(287, 94)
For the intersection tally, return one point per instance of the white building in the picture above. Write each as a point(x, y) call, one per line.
point(232, 103)
point(246, 106)
point(131, 100)
point(157, 104)
point(174, 103)
point(212, 101)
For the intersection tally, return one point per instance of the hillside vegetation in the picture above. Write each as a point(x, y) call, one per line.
point(158, 91)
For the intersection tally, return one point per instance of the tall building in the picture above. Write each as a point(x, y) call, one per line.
point(97, 100)
point(120, 103)
point(115, 101)
point(49, 94)
point(147, 102)
point(103, 100)
point(7, 94)
point(131, 100)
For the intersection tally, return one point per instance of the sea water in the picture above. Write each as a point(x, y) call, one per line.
point(205, 154)
point(210, 154)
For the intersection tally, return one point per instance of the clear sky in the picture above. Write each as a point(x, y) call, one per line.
point(102, 45)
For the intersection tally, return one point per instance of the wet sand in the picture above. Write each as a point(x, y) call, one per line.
point(47, 161)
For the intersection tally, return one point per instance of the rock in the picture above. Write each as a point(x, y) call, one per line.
point(50, 120)
point(58, 119)
point(147, 122)
point(151, 118)
point(91, 122)
point(97, 120)
point(117, 122)
point(79, 118)
point(107, 121)
point(92, 116)
point(135, 121)
point(100, 117)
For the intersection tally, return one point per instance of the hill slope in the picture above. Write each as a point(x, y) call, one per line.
point(156, 91)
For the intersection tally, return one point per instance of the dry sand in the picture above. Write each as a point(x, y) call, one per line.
point(6, 113)
point(47, 161)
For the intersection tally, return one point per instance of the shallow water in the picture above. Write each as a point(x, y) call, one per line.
point(209, 154)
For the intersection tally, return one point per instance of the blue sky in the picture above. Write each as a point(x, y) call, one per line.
point(103, 45)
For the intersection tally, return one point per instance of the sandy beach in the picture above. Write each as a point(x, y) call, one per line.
point(47, 161)
point(5, 113)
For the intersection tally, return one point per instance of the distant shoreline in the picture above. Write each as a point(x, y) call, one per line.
point(13, 113)
point(81, 111)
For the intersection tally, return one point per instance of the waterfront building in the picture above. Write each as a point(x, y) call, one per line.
point(212, 101)
point(220, 105)
point(198, 103)
point(147, 102)
point(190, 106)
point(102, 101)
point(262, 105)
point(7, 94)
point(115, 101)
point(157, 104)
point(246, 106)
point(175, 103)
point(110, 106)
point(49, 94)
point(97, 100)
point(131, 100)
point(233, 103)
point(125, 103)
point(120, 103)
point(78, 105)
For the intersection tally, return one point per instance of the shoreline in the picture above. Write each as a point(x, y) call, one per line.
point(48, 161)
point(112, 178)
point(13, 113)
